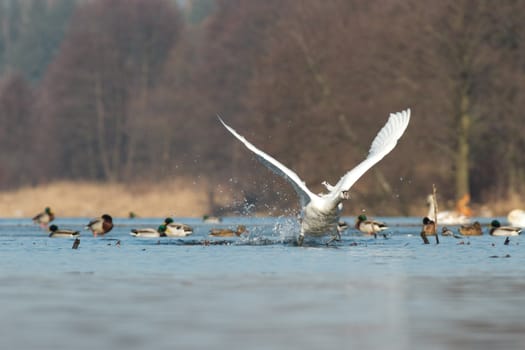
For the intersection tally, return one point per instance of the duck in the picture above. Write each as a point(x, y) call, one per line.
point(210, 219)
point(149, 232)
point(174, 229)
point(516, 217)
point(446, 232)
point(225, 232)
point(55, 232)
point(369, 227)
point(44, 218)
point(449, 217)
point(471, 230)
point(429, 227)
point(497, 230)
point(320, 213)
point(100, 226)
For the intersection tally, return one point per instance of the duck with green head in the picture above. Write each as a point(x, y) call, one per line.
point(174, 229)
point(55, 232)
point(149, 232)
point(369, 227)
point(497, 230)
point(44, 218)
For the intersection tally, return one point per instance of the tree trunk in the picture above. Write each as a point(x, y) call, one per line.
point(103, 152)
point(463, 148)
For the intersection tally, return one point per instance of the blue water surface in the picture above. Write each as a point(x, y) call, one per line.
point(259, 291)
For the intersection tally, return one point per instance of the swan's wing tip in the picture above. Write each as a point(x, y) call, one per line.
point(402, 115)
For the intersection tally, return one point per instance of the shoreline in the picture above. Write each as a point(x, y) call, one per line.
point(91, 199)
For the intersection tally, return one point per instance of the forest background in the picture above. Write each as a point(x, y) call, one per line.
point(111, 105)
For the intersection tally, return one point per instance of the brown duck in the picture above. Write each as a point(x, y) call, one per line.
point(224, 232)
point(471, 230)
point(100, 226)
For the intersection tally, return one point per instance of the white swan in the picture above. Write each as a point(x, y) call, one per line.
point(516, 217)
point(320, 213)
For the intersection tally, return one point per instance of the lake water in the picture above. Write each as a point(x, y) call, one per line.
point(261, 292)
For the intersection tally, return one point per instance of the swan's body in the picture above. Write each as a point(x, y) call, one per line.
point(321, 213)
point(517, 218)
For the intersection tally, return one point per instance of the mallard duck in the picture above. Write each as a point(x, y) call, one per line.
point(100, 226)
point(370, 227)
point(55, 232)
point(445, 231)
point(497, 230)
point(149, 232)
point(516, 218)
point(210, 219)
point(429, 227)
point(174, 229)
point(471, 230)
point(224, 232)
point(448, 217)
point(44, 218)
point(321, 213)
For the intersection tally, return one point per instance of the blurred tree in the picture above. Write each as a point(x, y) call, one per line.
point(98, 92)
point(16, 131)
point(31, 33)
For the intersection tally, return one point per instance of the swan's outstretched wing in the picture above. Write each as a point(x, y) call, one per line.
point(305, 195)
point(384, 142)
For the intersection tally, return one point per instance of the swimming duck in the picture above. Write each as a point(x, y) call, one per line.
point(100, 226)
point(224, 232)
point(54, 232)
point(174, 229)
point(429, 227)
point(370, 227)
point(447, 217)
point(44, 218)
point(209, 219)
point(445, 231)
point(497, 230)
point(149, 232)
point(516, 217)
point(471, 230)
point(320, 214)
